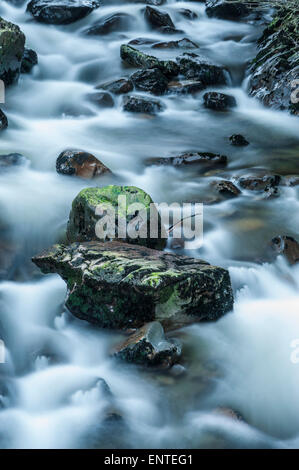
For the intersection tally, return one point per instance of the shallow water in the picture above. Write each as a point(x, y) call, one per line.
point(51, 395)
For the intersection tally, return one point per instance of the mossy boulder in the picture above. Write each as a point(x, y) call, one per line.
point(12, 42)
point(117, 285)
point(133, 207)
point(135, 58)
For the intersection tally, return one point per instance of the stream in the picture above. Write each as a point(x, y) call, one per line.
point(51, 388)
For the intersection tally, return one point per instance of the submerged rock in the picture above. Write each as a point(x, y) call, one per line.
point(136, 58)
point(152, 80)
point(180, 44)
point(226, 188)
point(102, 99)
point(238, 140)
point(29, 60)
point(189, 14)
point(117, 285)
point(12, 42)
point(184, 87)
point(91, 203)
point(11, 159)
point(79, 163)
point(193, 66)
point(190, 158)
point(148, 346)
point(219, 101)
point(259, 183)
point(142, 104)
point(61, 11)
point(286, 246)
point(117, 87)
point(3, 121)
point(275, 72)
point(110, 24)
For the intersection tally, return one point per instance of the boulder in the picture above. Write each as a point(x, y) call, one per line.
point(219, 101)
point(142, 104)
point(61, 11)
point(286, 246)
point(79, 163)
point(118, 285)
point(29, 60)
point(117, 87)
point(193, 66)
point(110, 24)
point(157, 19)
point(238, 140)
point(91, 203)
point(149, 346)
point(184, 87)
point(3, 121)
point(136, 58)
point(103, 99)
point(274, 71)
point(152, 80)
point(206, 159)
point(227, 9)
point(12, 42)
point(226, 189)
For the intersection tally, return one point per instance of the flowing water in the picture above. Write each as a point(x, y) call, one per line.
point(51, 389)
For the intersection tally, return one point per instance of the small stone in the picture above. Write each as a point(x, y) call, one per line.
point(117, 87)
point(238, 140)
point(139, 104)
point(219, 101)
point(226, 188)
point(288, 247)
point(29, 60)
point(80, 163)
point(148, 346)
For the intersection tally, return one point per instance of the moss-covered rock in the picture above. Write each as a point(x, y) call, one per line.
point(275, 69)
point(12, 42)
point(117, 285)
point(136, 58)
point(84, 222)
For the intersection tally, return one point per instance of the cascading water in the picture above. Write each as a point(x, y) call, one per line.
point(52, 393)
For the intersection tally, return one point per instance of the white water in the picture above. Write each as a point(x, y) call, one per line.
point(50, 392)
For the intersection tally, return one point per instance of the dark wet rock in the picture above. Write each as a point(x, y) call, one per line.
point(61, 11)
point(141, 41)
point(156, 3)
point(275, 70)
point(12, 42)
point(102, 99)
point(149, 346)
point(238, 140)
point(259, 183)
point(206, 159)
point(152, 80)
point(110, 24)
point(79, 163)
point(226, 189)
point(117, 87)
point(286, 246)
point(90, 212)
point(185, 87)
point(136, 58)
point(29, 60)
point(142, 104)
point(3, 121)
point(117, 285)
point(227, 9)
point(11, 160)
point(180, 44)
point(270, 192)
point(157, 19)
point(170, 30)
point(189, 14)
point(219, 101)
point(193, 66)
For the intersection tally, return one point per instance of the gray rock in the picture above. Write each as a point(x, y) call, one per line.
point(193, 66)
point(219, 101)
point(61, 11)
point(151, 80)
point(117, 87)
point(12, 42)
point(29, 60)
point(142, 104)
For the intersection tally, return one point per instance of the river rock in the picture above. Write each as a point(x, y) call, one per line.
point(83, 220)
point(117, 285)
point(79, 163)
point(227, 9)
point(226, 188)
point(117, 87)
point(180, 44)
point(206, 159)
point(102, 99)
point(3, 121)
point(189, 14)
point(274, 71)
point(259, 183)
point(184, 87)
point(193, 66)
point(136, 58)
point(238, 140)
point(286, 246)
point(110, 24)
point(142, 104)
point(29, 60)
point(61, 11)
point(219, 101)
point(157, 19)
point(12, 42)
point(152, 80)
point(149, 346)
